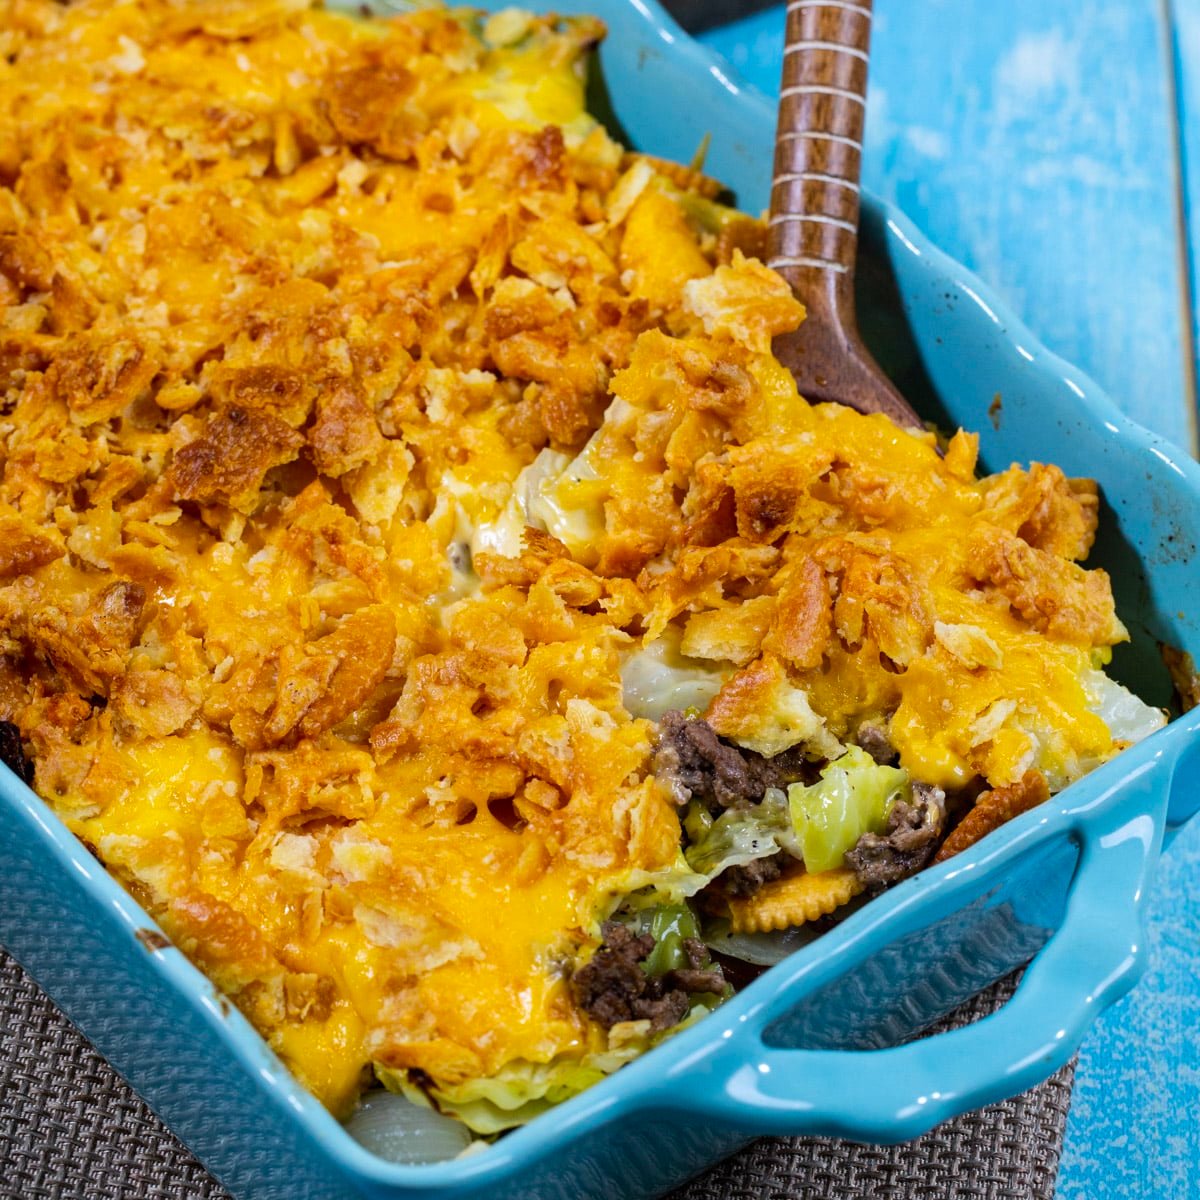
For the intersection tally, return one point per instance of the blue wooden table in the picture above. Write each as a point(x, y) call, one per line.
point(1053, 146)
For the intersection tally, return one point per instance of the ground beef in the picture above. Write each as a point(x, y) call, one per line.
point(913, 832)
point(660, 1005)
point(746, 880)
point(701, 974)
point(607, 986)
point(691, 979)
point(12, 752)
point(613, 987)
point(875, 742)
point(696, 763)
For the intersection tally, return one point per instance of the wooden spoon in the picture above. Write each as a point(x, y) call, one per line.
point(814, 204)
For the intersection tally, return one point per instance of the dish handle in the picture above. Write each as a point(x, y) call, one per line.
point(1184, 803)
point(896, 1093)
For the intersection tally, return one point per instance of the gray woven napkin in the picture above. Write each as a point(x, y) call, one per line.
point(72, 1129)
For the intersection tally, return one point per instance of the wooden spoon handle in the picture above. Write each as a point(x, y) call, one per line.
point(818, 154)
point(814, 204)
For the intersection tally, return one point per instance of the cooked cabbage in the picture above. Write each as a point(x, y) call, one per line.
point(853, 796)
point(535, 499)
point(740, 835)
point(641, 889)
point(553, 490)
point(658, 678)
point(1128, 718)
point(519, 1092)
point(1050, 750)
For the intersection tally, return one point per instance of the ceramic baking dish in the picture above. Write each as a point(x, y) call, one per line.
point(822, 1043)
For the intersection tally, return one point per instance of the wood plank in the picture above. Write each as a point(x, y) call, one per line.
point(1034, 142)
point(1183, 17)
point(1132, 1130)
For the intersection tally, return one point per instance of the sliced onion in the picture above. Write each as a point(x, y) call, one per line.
point(762, 949)
point(766, 949)
point(404, 1132)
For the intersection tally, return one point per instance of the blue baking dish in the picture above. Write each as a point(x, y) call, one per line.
point(822, 1043)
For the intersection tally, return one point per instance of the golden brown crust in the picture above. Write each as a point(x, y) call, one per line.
point(803, 621)
point(99, 377)
point(152, 704)
point(25, 264)
point(687, 179)
point(771, 497)
point(24, 547)
point(360, 649)
point(285, 392)
point(345, 434)
point(1045, 508)
point(226, 464)
point(992, 809)
point(1054, 596)
point(366, 105)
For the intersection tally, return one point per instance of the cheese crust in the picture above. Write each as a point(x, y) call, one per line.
point(368, 415)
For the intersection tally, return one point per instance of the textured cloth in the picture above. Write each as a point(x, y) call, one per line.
point(71, 1129)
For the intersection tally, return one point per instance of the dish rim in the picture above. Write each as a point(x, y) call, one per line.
point(1067, 815)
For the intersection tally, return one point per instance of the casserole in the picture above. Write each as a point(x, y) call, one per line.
point(1031, 917)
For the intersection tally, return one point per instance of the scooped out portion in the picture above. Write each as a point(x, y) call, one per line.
point(421, 586)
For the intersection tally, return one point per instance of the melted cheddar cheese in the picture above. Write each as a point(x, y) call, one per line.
point(368, 414)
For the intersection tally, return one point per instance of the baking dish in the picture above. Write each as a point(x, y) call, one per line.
point(902, 960)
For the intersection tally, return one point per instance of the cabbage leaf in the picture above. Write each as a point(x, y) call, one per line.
point(517, 1093)
point(522, 1090)
point(740, 835)
point(639, 889)
point(658, 677)
point(853, 796)
point(1128, 718)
